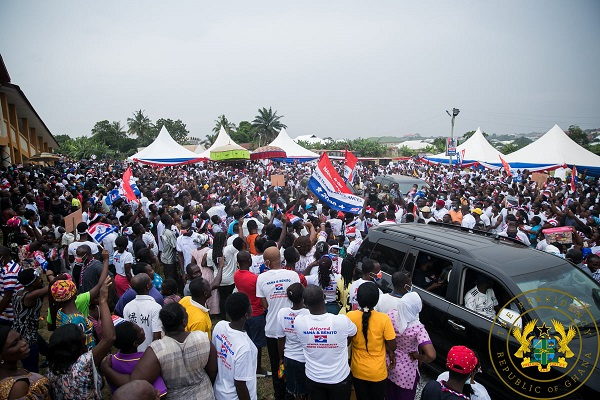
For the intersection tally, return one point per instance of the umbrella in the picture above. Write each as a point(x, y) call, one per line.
point(229, 152)
point(44, 157)
point(266, 152)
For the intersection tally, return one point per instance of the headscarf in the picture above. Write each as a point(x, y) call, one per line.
point(408, 311)
point(63, 290)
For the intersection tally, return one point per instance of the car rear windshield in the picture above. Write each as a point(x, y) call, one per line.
point(570, 279)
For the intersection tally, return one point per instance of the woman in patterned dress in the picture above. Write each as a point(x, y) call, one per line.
point(187, 361)
point(17, 383)
point(413, 348)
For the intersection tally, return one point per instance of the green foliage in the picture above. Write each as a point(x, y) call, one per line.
point(466, 136)
point(439, 145)
point(177, 129)
point(360, 147)
point(209, 140)
point(222, 121)
point(517, 144)
point(404, 151)
point(578, 136)
point(244, 133)
point(595, 148)
point(85, 147)
point(141, 126)
point(62, 140)
point(267, 125)
point(110, 134)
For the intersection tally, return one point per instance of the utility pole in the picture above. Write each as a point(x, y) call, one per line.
point(455, 112)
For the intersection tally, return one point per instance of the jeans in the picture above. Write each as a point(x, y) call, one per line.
point(333, 391)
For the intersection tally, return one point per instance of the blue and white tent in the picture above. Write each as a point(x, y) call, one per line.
point(165, 151)
point(474, 149)
point(554, 149)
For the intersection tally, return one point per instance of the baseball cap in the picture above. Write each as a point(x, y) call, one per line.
point(440, 203)
point(426, 209)
point(461, 359)
point(351, 231)
point(477, 211)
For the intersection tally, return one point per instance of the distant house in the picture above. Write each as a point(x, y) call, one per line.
point(413, 144)
point(312, 139)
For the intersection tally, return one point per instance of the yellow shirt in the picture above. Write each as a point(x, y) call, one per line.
point(198, 318)
point(370, 366)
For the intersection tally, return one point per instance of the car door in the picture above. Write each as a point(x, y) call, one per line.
point(435, 308)
point(390, 255)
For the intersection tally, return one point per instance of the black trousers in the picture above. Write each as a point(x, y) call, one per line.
point(224, 292)
point(368, 390)
point(334, 391)
point(278, 384)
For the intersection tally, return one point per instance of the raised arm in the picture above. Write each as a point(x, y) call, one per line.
point(217, 281)
point(96, 289)
point(108, 329)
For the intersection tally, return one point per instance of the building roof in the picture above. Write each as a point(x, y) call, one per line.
point(24, 107)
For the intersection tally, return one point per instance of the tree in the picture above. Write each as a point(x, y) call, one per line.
point(366, 147)
point(63, 141)
point(439, 144)
point(110, 134)
point(209, 140)
point(404, 151)
point(509, 148)
point(578, 135)
point(177, 129)
point(222, 121)
point(244, 133)
point(85, 147)
point(468, 135)
point(267, 125)
point(140, 126)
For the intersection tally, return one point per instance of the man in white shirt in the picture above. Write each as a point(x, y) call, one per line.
point(470, 219)
point(84, 238)
point(481, 298)
point(271, 289)
point(440, 210)
point(143, 310)
point(324, 337)
point(371, 271)
point(335, 222)
point(389, 301)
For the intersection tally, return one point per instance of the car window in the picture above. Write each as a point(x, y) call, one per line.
point(390, 255)
point(365, 250)
point(431, 272)
point(485, 295)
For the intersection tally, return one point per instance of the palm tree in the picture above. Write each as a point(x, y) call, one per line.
point(222, 121)
point(140, 126)
point(209, 139)
point(267, 125)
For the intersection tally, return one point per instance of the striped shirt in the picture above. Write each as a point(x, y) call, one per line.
point(9, 283)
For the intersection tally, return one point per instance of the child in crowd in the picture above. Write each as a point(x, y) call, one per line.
point(169, 291)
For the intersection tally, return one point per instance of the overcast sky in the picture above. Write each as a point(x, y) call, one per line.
point(333, 68)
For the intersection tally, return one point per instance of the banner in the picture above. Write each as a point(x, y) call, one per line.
point(112, 196)
point(574, 178)
point(329, 186)
point(450, 146)
point(100, 230)
point(349, 165)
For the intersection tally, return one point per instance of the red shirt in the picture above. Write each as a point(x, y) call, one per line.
point(245, 282)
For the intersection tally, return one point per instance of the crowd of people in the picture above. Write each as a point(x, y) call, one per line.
point(211, 264)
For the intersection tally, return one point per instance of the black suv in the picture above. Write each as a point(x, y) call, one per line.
point(455, 256)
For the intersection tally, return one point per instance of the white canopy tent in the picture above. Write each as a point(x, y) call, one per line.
point(294, 151)
point(165, 151)
point(222, 139)
point(475, 148)
point(554, 147)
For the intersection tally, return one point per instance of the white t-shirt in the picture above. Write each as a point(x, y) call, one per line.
point(354, 289)
point(258, 262)
point(330, 290)
point(120, 259)
point(143, 311)
point(468, 221)
point(285, 328)
point(236, 355)
point(325, 344)
point(483, 303)
point(75, 245)
point(185, 245)
point(230, 266)
point(387, 302)
point(336, 226)
point(272, 285)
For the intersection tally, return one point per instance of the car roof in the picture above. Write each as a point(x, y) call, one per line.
point(400, 179)
point(500, 253)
